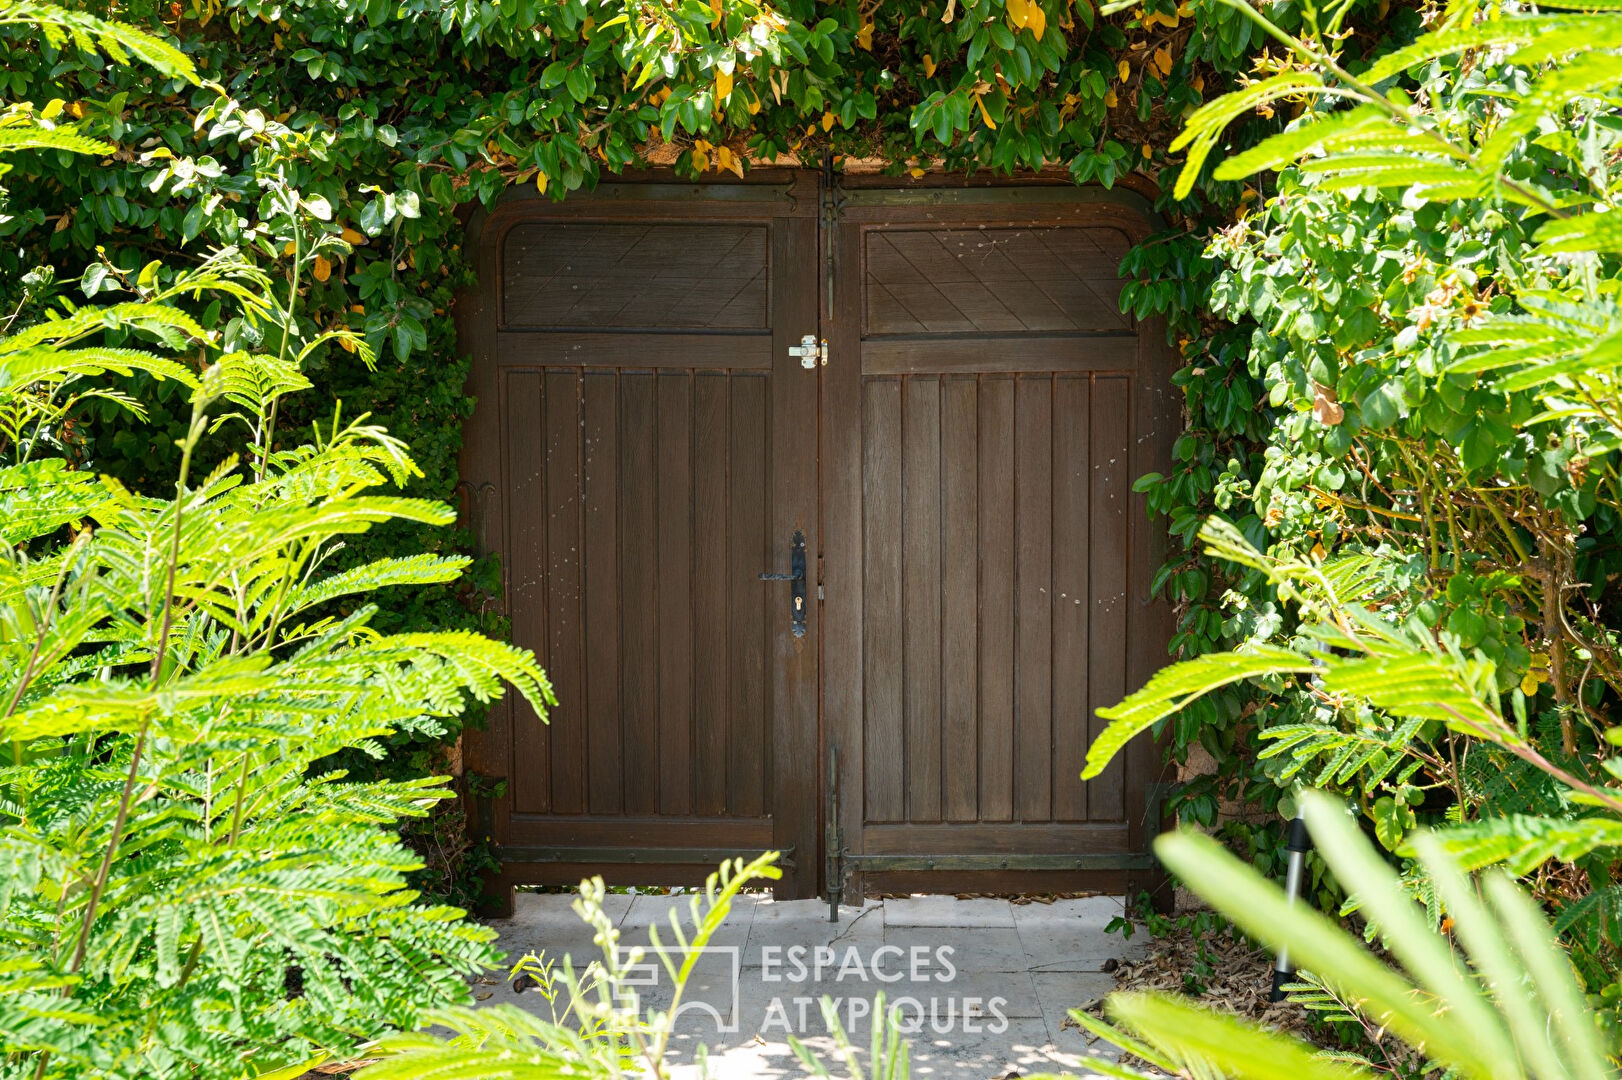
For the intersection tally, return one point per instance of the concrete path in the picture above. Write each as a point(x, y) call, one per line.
point(986, 984)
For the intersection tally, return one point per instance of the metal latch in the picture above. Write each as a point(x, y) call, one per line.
point(810, 351)
point(796, 579)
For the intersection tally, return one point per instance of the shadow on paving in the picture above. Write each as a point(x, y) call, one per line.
point(981, 987)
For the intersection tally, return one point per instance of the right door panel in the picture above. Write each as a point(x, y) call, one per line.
point(987, 408)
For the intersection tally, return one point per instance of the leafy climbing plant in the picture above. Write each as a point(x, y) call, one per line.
point(187, 888)
point(1424, 594)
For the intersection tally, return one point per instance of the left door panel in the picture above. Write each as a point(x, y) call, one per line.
point(642, 449)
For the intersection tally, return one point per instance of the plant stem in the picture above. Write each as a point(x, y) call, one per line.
point(44, 628)
point(268, 431)
point(100, 883)
point(105, 869)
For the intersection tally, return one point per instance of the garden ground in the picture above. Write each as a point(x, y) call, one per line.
point(992, 979)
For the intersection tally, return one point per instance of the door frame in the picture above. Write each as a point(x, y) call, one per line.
point(819, 676)
point(646, 850)
point(850, 871)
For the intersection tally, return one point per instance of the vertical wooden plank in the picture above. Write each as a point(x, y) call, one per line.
point(884, 775)
point(921, 593)
point(484, 491)
point(673, 595)
point(748, 761)
point(996, 499)
point(565, 627)
point(639, 631)
point(1156, 421)
point(796, 757)
point(1109, 552)
point(605, 783)
point(841, 470)
point(710, 556)
point(1033, 600)
point(959, 596)
point(526, 464)
point(1072, 470)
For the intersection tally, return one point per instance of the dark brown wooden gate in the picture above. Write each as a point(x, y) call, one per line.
point(985, 412)
point(650, 438)
point(644, 447)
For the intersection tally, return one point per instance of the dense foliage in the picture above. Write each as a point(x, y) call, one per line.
point(401, 117)
point(189, 887)
point(1399, 380)
point(1426, 585)
point(1514, 1012)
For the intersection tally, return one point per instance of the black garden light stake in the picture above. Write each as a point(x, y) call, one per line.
point(1298, 845)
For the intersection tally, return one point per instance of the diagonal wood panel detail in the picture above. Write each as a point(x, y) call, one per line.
point(994, 280)
point(600, 276)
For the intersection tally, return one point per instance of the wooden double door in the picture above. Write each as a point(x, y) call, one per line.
point(816, 502)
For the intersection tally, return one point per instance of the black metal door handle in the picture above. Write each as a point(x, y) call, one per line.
point(796, 579)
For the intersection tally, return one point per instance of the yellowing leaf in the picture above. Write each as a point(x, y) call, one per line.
point(76, 110)
point(715, 6)
point(1529, 685)
point(915, 172)
point(723, 85)
point(984, 115)
point(1019, 12)
point(1163, 60)
point(827, 121)
point(1110, 99)
point(1148, 151)
point(726, 159)
point(1037, 20)
point(1124, 70)
point(1325, 408)
point(350, 236)
point(754, 106)
point(929, 66)
point(52, 108)
point(541, 180)
point(951, 11)
point(323, 268)
point(346, 345)
point(290, 249)
point(864, 36)
point(358, 309)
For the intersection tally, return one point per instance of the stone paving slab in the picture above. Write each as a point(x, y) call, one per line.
point(984, 985)
point(948, 911)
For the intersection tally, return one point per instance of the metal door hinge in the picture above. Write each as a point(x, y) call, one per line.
point(811, 352)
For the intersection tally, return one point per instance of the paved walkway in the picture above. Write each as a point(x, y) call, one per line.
point(986, 983)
